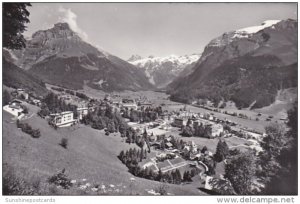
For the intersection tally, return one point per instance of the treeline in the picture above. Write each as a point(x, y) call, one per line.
point(113, 122)
point(144, 115)
point(106, 118)
point(74, 93)
point(132, 157)
point(53, 104)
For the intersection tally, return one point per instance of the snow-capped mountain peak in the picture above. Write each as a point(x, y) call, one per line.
point(161, 70)
point(255, 29)
point(247, 32)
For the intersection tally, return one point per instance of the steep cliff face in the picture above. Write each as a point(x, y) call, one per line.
point(227, 65)
point(59, 56)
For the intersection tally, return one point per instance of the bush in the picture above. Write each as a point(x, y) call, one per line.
point(25, 127)
point(64, 143)
point(57, 89)
point(162, 189)
point(25, 109)
point(14, 185)
point(61, 179)
point(36, 133)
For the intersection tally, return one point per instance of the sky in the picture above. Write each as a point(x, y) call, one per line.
point(158, 29)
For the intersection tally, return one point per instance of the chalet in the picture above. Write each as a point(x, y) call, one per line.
point(145, 104)
point(63, 119)
point(130, 106)
point(216, 130)
point(169, 145)
point(14, 108)
point(66, 97)
point(148, 165)
point(186, 150)
point(161, 156)
point(193, 147)
point(22, 92)
point(211, 118)
point(37, 102)
point(165, 116)
point(155, 145)
point(195, 156)
point(15, 103)
point(83, 111)
point(196, 123)
point(152, 138)
point(107, 98)
point(178, 122)
point(116, 102)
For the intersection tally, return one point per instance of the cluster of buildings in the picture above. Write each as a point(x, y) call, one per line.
point(210, 123)
point(67, 118)
point(16, 106)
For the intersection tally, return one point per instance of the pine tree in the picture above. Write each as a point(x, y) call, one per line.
point(145, 134)
point(222, 151)
point(142, 155)
point(204, 149)
point(15, 16)
point(178, 176)
point(240, 171)
point(162, 145)
point(159, 175)
point(145, 154)
point(121, 155)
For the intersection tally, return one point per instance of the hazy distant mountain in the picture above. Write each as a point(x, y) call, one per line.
point(162, 70)
point(247, 66)
point(59, 56)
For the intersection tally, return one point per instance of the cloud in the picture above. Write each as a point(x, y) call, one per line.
point(71, 18)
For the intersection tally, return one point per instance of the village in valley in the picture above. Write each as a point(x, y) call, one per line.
point(134, 99)
point(175, 144)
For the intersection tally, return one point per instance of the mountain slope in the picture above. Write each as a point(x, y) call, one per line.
point(59, 56)
point(162, 70)
point(245, 66)
point(16, 77)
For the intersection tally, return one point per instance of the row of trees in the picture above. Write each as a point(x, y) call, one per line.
point(25, 127)
point(74, 93)
point(112, 121)
point(100, 119)
point(133, 156)
point(144, 115)
point(53, 104)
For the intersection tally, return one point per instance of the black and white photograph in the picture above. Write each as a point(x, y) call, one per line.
point(140, 99)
